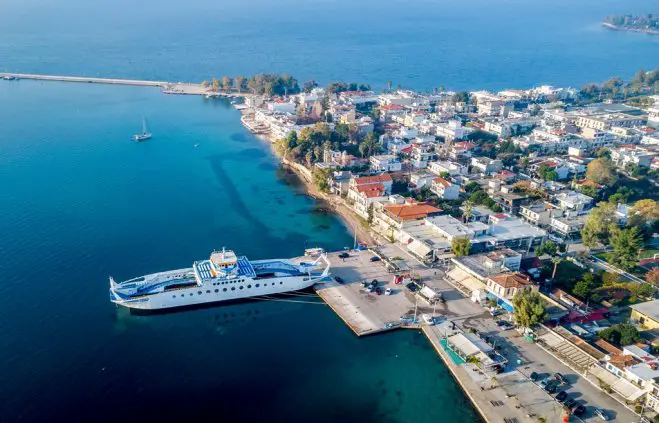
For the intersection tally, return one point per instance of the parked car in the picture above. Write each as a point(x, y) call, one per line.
point(602, 414)
point(533, 376)
point(378, 290)
point(412, 287)
point(428, 319)
point(551, 387)
point(561, 396)
point(387, 291)
point(560, 378)
point(504, 325)
point(570, 403)
point(578, 410)
point(374, 282)
point(370, 288)
point(344, 255)
point(365, 284)
point(543, 383)
point(338, 279)
point(375, 258)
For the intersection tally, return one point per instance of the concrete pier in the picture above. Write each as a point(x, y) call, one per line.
point(85, 79)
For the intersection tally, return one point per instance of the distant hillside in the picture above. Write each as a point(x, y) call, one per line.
point(648, 24)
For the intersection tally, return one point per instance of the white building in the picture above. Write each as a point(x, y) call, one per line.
point(444, 189)
point(451, 130)
point(486, 165)
point(385, 163)
point(452, 168)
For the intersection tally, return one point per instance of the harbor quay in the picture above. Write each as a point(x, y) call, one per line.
point(507, 395)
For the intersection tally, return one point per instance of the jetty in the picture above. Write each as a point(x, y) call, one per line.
point(180, 88)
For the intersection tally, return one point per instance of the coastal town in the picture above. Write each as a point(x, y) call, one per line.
point(525, 221)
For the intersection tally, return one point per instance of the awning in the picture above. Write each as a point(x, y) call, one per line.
point(465, 279)
point(625, 388)
point(419, 249)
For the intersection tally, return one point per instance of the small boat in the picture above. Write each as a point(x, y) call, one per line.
point(145, 135)
point(313, 252)
point(196, 145)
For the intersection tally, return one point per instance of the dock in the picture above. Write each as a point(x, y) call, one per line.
point(179, 88)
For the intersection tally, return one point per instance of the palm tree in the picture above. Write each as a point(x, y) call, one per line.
point(468, 210)
point(556, 260)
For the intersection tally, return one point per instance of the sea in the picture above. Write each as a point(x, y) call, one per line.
point(80, 201)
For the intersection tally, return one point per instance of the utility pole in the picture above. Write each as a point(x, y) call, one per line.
point(416, 303)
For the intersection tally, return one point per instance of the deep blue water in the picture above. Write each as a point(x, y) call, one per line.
point(79, 201)
point(462, 44)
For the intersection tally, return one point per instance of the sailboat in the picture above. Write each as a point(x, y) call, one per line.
point(145, 135)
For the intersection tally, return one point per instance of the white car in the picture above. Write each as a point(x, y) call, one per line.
point(387, 291)
point(428, 319)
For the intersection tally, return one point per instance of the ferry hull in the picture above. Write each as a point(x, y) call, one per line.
point(200, 295)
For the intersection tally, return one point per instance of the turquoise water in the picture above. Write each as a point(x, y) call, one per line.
point(462, 44)
point(81, 201)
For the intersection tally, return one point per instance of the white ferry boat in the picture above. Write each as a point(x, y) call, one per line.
point(223, 277)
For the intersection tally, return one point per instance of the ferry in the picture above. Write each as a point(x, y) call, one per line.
point(223, 277)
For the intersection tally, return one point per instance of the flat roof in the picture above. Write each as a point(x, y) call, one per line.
point(649, 308)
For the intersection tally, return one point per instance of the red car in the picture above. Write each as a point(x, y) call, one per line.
point(378, 291)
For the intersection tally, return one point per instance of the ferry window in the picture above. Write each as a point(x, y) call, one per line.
point(225, 290)
point(257, 285)
point(208, 291)
point(273, 284)
point(241, 287)
point(233, 288)
point(249, 286)
point(199, 292)
point(217, 290)
point(173, 296)
point(191, 294)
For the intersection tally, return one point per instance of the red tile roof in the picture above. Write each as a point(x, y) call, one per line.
point(611, 349)
point(370, 187)
point(442, 182)
point(464, 145)
point(411, 211)
point(511, 280)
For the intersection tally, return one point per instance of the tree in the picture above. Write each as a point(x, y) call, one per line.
point(369, 212)
point(652, 277)
point(584, 288)
point(320, 179)
point(241, 83)
point(472, 187)
point(626, 243)
point(227, 83)
point(308, 86)
point(468, 210)
point(204, 84)
point(601, 171)
point(529, 308)
point(599, 225)
point(610, 279)
point(369, 145)
point(292, 139)
point(621, 334)
point(548, 247)
point(460, 97)
point(461, 246)
point(215, 84)
point(648, 208)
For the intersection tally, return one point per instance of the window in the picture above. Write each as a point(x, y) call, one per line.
point(233, 288)
point(224, 289)
point(281, 283)
point(199, 292)
point(257, 285)
point(191, 294)
point(273, 284)
point(173, 296)
point(241, 287)
point(249, 286)
point(217, 290)
point(208, 291)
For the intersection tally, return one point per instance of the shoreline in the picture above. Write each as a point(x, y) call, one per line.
point(622, 28)
point(338, 207)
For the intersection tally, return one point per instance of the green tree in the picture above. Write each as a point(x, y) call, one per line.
point(468, 210)
point(460, 97)
point(461, 246)
point(241, 83)
point(621, 334)
point(600, 223)
point(626, 244)
point(308, 86)
point(529, 308)
point(472, 187)
point(369, 145)
point(370, 212)
point(602, 171)
point(292, 139)
point(584, 288)
point(321, 178)
point(227, 83)
point(548, 247)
